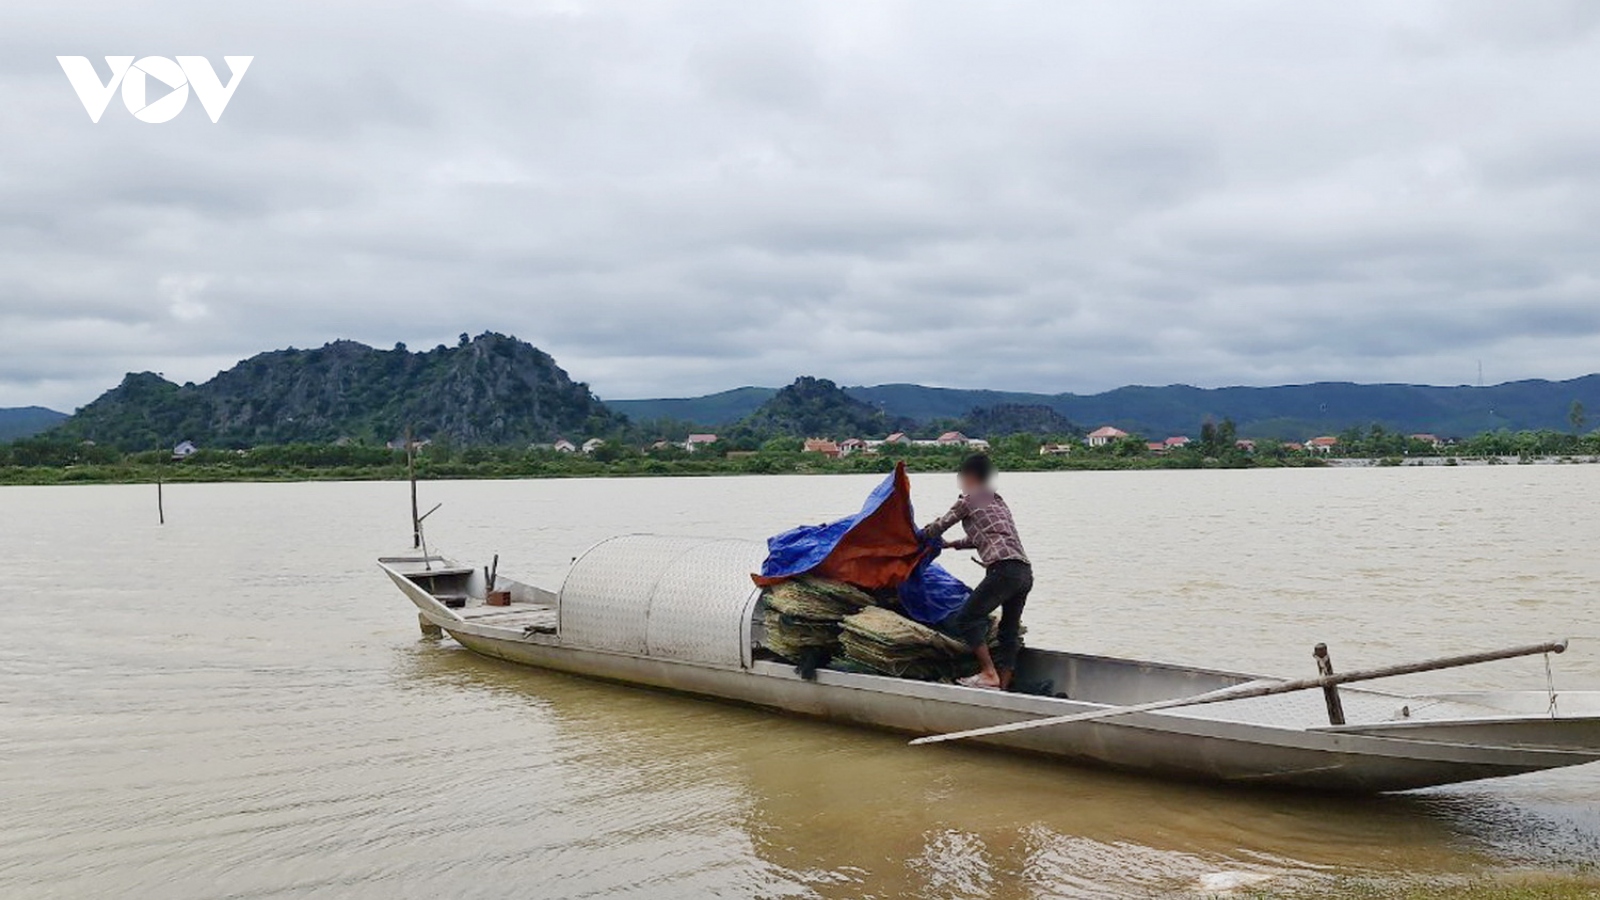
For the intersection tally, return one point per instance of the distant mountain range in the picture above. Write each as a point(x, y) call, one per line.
point(495, 389)
point(26, 421)
point(1289, 412)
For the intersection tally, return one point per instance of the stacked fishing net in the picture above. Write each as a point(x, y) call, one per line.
point(802, 616)
point(810, 621)
point(888, 643)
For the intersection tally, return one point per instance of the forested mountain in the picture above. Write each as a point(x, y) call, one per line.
point(1287, 412)
point(721, 408)
point(1292, 412)
point(1016, 418)
point(816, 407)
point(26, 421)
point(492, 389)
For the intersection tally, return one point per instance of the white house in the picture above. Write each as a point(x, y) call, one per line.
point(697, 441)
point(592, 444)
point(1104, 435)
point(562, 445)
point(184, 449)
point(1055, 449)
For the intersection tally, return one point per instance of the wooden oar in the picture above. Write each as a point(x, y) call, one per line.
point(1258, 689)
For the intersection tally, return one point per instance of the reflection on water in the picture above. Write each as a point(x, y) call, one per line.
point(966, 822)
point(239, 705)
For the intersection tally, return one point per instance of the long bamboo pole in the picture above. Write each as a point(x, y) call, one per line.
point(1258, 689)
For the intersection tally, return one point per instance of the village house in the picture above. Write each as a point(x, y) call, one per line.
point(1156, 446)
point(1104, 435)
point(852, 445)
point(562, 445)
point(1246, 446)
point(1324, 444)
point(899, 437)
point(1177, 442)
point(821, 445)
point(1429, 439)
point(697, 441)
point(592, 444)
point(1055, 449)
point(184, 450)
point(1294, 446)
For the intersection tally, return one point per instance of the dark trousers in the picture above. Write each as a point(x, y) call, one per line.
point(1005, 587)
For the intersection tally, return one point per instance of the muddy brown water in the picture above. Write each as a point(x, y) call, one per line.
point(238, 704)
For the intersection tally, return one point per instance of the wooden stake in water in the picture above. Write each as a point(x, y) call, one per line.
point(1330, 692)
point(161, 507)
point(411, 474)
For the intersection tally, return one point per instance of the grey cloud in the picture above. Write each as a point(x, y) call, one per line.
point(685, 196)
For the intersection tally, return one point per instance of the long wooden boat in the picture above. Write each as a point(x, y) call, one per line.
point(682, 615)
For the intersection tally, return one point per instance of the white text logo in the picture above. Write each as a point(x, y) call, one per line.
point(135, 80)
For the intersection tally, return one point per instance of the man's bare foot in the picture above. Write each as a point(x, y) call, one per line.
point(979, 681)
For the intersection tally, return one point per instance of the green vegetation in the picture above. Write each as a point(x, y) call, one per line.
point(54, 459)
point(47, 460)
point(1376, 442)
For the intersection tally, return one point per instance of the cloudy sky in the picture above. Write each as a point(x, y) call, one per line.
point(679, 197)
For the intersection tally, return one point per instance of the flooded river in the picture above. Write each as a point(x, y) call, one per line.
point(238, 704)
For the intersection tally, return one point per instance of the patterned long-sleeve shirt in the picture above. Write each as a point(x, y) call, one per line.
point(989, 527)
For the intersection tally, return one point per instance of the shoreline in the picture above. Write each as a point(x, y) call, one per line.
point(212, 473)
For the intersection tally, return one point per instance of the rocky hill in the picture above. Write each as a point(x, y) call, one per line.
point(816, 407)
point(492, 389)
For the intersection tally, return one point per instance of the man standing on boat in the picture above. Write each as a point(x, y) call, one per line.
point(990, 530)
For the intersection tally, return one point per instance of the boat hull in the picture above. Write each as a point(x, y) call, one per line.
point(1168, 746)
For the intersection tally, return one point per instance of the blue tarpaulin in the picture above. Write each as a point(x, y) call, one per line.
point(877, 548)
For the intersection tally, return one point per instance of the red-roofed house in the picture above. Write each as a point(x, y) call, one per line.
point(1324, 444)
point(951, 439)
point(822, 445)
point(1432, 439)
point(1155, 446)
point(697, 441)
point(1105, 435)
point(1246, 445)
point(899, 437)
point(1176, 443)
